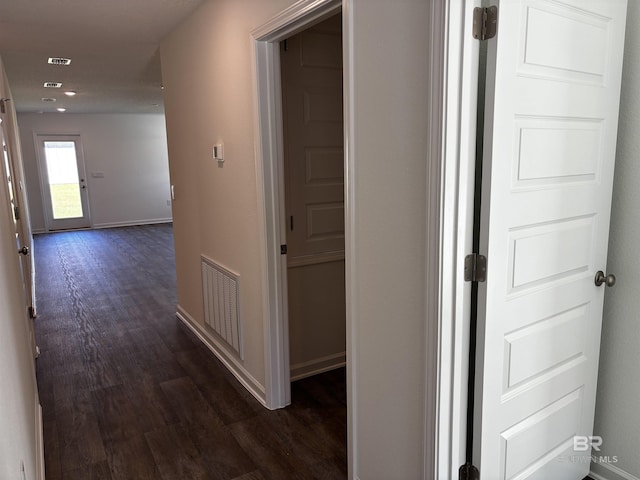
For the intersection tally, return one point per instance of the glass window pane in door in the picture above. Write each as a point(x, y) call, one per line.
point(64, 185)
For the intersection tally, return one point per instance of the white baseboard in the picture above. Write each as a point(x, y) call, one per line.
point(40, 475)
point(608, 471)
point(302, 370)
point(98, 226)
point(131, 223)
point(225, 356)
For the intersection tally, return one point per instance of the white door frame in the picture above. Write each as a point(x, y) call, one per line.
point(270, 171)
point(15, 155)
point(460, 76)
point(451, 159)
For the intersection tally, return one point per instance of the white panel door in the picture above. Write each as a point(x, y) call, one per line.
point(313, 139)
point(553, 91)
point(15, 201)
point(311, 74)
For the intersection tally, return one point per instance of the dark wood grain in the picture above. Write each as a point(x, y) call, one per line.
point(97, 471)
point(176, 463)
point(129, 393)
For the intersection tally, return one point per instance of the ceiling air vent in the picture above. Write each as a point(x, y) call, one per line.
point(48, 99)
point(52, 84)
point(59, 61)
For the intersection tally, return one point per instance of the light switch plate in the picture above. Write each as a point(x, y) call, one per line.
point(218, 152)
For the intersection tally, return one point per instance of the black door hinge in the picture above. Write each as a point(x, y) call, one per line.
point(475, 268)
point(485, 22)
point(283, 249)
point(468, 472)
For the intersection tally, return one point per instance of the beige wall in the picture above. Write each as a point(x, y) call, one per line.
point(18, 394)
point(130, 150)
point(207, 73)
point(209, 98)
point(617, 418)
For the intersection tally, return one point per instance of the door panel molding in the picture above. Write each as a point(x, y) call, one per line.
point(549, 151)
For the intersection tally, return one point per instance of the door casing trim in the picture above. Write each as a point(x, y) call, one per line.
point(451, 118)
point(270, 183)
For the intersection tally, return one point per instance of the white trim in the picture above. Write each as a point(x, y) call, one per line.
point(315, 259)
point(350, 231)
point(268, 151)
point(319, 365)
point(607, 471)
point(434, 248)
point(98, 226)
point(460, 94)
point(226, 357)
point(299, 16)
point(269, 172)
point(46, 207)
point(132, 223)
point(40, 474)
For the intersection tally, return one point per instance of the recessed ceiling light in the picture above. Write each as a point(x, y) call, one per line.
point(52, 84)
point(61, 109)
point(70, 93)
point(59, 61)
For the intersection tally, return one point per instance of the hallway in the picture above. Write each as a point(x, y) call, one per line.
point(128, 392)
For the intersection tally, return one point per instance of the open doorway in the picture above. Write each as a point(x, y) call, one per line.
point(270, 165)
point(313, 154)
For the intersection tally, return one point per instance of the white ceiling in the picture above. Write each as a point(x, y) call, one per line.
point(113, 45)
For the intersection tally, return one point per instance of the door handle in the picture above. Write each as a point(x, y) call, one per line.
point(24, 250)
point(608, 280)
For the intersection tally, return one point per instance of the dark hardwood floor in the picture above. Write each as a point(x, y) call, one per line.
point(129, 393)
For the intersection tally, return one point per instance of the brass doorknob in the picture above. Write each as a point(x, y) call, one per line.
point(608, 280)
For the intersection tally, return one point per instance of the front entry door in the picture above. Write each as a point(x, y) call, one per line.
point(553, 87)
point(64, 183)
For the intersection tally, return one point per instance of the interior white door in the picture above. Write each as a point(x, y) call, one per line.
point(15, 201)
point(64, 184)
point(311, 72)
point(311, 75)
point(553, 87)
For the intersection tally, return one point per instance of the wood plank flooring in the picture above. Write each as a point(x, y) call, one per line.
point(129, 393)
